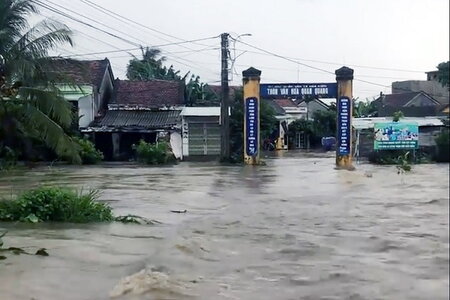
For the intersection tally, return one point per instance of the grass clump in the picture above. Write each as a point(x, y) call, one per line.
point(54, 204)
point(153, 154)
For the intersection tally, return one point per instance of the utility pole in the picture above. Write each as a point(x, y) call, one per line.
point(225, 102)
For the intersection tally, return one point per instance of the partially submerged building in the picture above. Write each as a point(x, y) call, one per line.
point(139, 110)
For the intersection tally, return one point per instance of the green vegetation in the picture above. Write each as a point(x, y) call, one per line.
point(444, 73)
point(268, 124)
point(151, 66)
point(8, 158)
point(89, 155)
point(397, 116)
point(363, 109)
point(154, 154)
point(53, 204)
point(32, 110)
point(403, 164)
point(323, 124)
point(443, 146)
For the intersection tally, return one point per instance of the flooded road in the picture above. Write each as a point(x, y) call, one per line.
point(294, 229)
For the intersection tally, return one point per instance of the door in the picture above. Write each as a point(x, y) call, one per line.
point(204, 139)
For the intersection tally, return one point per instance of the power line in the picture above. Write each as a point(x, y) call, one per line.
point(155, 46)
point(92, 4)
point(285, 58)
point(82, 22)
point(306, 65)
point(339, 64)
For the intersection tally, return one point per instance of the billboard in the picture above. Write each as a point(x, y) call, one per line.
point(396, 136)
point(298, 90)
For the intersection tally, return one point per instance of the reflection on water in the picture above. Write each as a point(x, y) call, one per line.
point(294, 229)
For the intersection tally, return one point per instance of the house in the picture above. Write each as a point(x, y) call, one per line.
point(312, 105)
point(286, 112)
point(148, 110)
point(201, 132)
point(431, 86)
point(89, 88)
point(412, 104)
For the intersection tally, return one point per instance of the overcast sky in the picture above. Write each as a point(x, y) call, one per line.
point(382, 40)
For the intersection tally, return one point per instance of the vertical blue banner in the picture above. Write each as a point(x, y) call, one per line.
point(344, 130)
point(251, 126)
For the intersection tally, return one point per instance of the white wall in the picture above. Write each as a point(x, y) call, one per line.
point(85, 110)
point(185, 137)
point(176, 144)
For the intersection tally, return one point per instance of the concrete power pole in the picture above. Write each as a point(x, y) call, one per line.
point(225, 102)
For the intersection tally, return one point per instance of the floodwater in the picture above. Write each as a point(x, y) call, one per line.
point(293, 229)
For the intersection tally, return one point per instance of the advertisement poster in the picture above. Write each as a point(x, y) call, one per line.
point(396, 136)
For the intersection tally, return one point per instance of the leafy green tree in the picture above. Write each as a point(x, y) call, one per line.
point(31, 106)
point(268, 124)
point(324, 123)
point(363, 109)
point(197, 93)
point(444, 73)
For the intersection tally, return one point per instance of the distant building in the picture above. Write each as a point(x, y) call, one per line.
point(431, 86)
point(411, 104)
point(312, 106)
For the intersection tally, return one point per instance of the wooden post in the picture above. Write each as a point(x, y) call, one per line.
point(344, 78)
point(251, 79)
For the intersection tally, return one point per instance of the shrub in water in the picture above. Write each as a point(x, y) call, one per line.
point(55, 204)
point(443, 146)
point(153, 154)
point(89, 155)
point(8, 157)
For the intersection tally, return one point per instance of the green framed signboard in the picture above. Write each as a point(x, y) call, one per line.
point(396, 136)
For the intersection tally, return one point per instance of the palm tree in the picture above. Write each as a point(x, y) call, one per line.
point(31, 106)
point(150, 66)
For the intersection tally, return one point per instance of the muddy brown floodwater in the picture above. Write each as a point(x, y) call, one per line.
point(294, 229)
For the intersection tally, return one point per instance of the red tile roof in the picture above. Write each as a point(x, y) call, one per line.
point(285, 102)
point(149, 94)
point(217, 89)
point(82, 71)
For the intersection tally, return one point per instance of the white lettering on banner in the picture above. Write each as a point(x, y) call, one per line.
point(272, 91)
point(284, 91)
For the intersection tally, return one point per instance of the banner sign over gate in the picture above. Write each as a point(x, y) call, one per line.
point(298, 90)
point(344, 130)
point(396, 136)
point(251, 126)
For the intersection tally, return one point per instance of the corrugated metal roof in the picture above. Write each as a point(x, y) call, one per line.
point(367, 123)
point(137, 120)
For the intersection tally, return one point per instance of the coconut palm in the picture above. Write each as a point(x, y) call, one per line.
point(150, 66)
point(31, 107)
